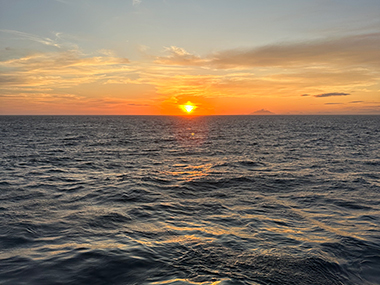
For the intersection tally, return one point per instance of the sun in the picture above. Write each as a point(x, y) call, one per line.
point(188, 107)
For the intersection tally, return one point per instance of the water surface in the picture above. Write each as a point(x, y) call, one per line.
point(190, 200)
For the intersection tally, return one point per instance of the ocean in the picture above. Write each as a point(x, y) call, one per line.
point(190, 200)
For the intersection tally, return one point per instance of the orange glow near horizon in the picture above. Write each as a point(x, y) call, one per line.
point(188, 107)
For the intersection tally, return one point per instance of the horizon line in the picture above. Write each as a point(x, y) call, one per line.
point(213, 115)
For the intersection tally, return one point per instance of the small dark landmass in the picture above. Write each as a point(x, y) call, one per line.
point(262, 112)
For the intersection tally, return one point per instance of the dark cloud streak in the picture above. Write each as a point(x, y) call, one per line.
point(331, 94)
point(138, 105)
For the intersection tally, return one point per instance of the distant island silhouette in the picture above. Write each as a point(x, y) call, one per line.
point(262, 112)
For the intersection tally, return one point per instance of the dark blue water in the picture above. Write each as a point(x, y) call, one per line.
point(197, 200)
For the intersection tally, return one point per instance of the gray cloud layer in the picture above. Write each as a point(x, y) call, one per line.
point(355, 50)
point(360, 49)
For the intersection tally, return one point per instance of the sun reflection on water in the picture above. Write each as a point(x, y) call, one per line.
point(189, 172)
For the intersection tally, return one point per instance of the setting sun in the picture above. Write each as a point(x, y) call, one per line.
point(188, 107)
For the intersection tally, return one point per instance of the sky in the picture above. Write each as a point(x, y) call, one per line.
point(227, 57)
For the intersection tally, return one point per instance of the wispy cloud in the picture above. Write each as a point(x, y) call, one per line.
point(331, 94)
point(179, 56)
point(61, 70)
point(42, 40)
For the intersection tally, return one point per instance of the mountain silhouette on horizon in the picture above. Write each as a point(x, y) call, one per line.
point(262, 112)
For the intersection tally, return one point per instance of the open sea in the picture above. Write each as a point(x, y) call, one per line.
point(219, 200)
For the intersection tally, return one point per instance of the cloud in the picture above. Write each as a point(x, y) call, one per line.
point(352, 50)
point(333, 103)
point(331, 94)
point(34, 38)
point(61, 69)
point(136, 2)
point(59, 60)
point(357, 50)
point(354, 102)
point(305, 95)
point(179, 56)
point(139, 105)
point(7, 79)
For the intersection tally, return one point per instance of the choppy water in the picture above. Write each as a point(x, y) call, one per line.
point(197, 200)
